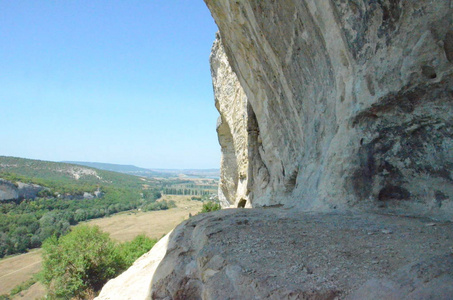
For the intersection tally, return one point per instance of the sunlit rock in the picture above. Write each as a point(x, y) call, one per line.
point(351, 104)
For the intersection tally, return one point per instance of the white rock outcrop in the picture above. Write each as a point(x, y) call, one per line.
point(234, 129)
point(284, 254)
point(18, 190)
point(8, 191)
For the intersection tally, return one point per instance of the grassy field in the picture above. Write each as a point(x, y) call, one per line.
point(122, 227)
point(125, 226)
point(17, 269)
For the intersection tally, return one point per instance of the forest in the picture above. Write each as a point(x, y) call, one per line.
point(26, 223)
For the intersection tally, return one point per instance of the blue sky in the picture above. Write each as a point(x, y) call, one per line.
point(123, 82)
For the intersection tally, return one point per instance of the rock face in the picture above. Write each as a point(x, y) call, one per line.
point(20, 190)
point(234, 130)
point(8, 191)
point(344, 104)
point(28, 190)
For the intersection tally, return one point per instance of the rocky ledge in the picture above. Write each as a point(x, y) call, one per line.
point(280, 254)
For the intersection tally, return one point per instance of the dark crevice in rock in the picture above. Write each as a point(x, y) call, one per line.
point(448, 45)
point(291, 181)
point(242, 203)
point(391, 192)
point(429, 72)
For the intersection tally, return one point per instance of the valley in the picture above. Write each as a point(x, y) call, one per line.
point(65, 195)
point(122, 227)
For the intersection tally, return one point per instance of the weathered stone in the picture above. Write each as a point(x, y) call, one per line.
point(8, 191)
point(283, 254)
point(87, 195)
point(18, 190)
point(238, 132)
point(351, 103)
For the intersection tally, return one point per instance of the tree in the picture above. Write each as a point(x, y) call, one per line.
point(80, 262)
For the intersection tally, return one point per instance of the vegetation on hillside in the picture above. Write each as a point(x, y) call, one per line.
point(79, 263)
point(26, 223)
point(65, 178)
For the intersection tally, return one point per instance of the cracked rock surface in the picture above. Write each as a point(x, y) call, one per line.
point(282, 254)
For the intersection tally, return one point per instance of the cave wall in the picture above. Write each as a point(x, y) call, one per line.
point(336, 104)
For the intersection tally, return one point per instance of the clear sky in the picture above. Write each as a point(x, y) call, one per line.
point(124, 82)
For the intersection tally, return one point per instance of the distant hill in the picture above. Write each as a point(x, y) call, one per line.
point(41, 198)
point(114, 167)
point(211, 173)
point(62, 174)
point(134, 170)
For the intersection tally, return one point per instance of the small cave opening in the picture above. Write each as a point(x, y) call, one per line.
point(242, 203)
point(392, 192)
point(429, 72)
point(291, 181)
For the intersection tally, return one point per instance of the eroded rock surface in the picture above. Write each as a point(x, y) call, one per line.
point(238, 134)
point(351, 103)
point(8, 191)
point(281, 254)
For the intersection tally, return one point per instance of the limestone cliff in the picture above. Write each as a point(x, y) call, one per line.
point(8, 191)
point(18, 190)
point(347, 103)
point(237, 131)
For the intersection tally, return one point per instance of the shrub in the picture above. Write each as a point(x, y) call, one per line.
point(159, 205)
point(80, 262)
point(132, 250)
point(210, 206)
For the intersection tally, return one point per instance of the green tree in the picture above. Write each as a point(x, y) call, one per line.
point(80, 262)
